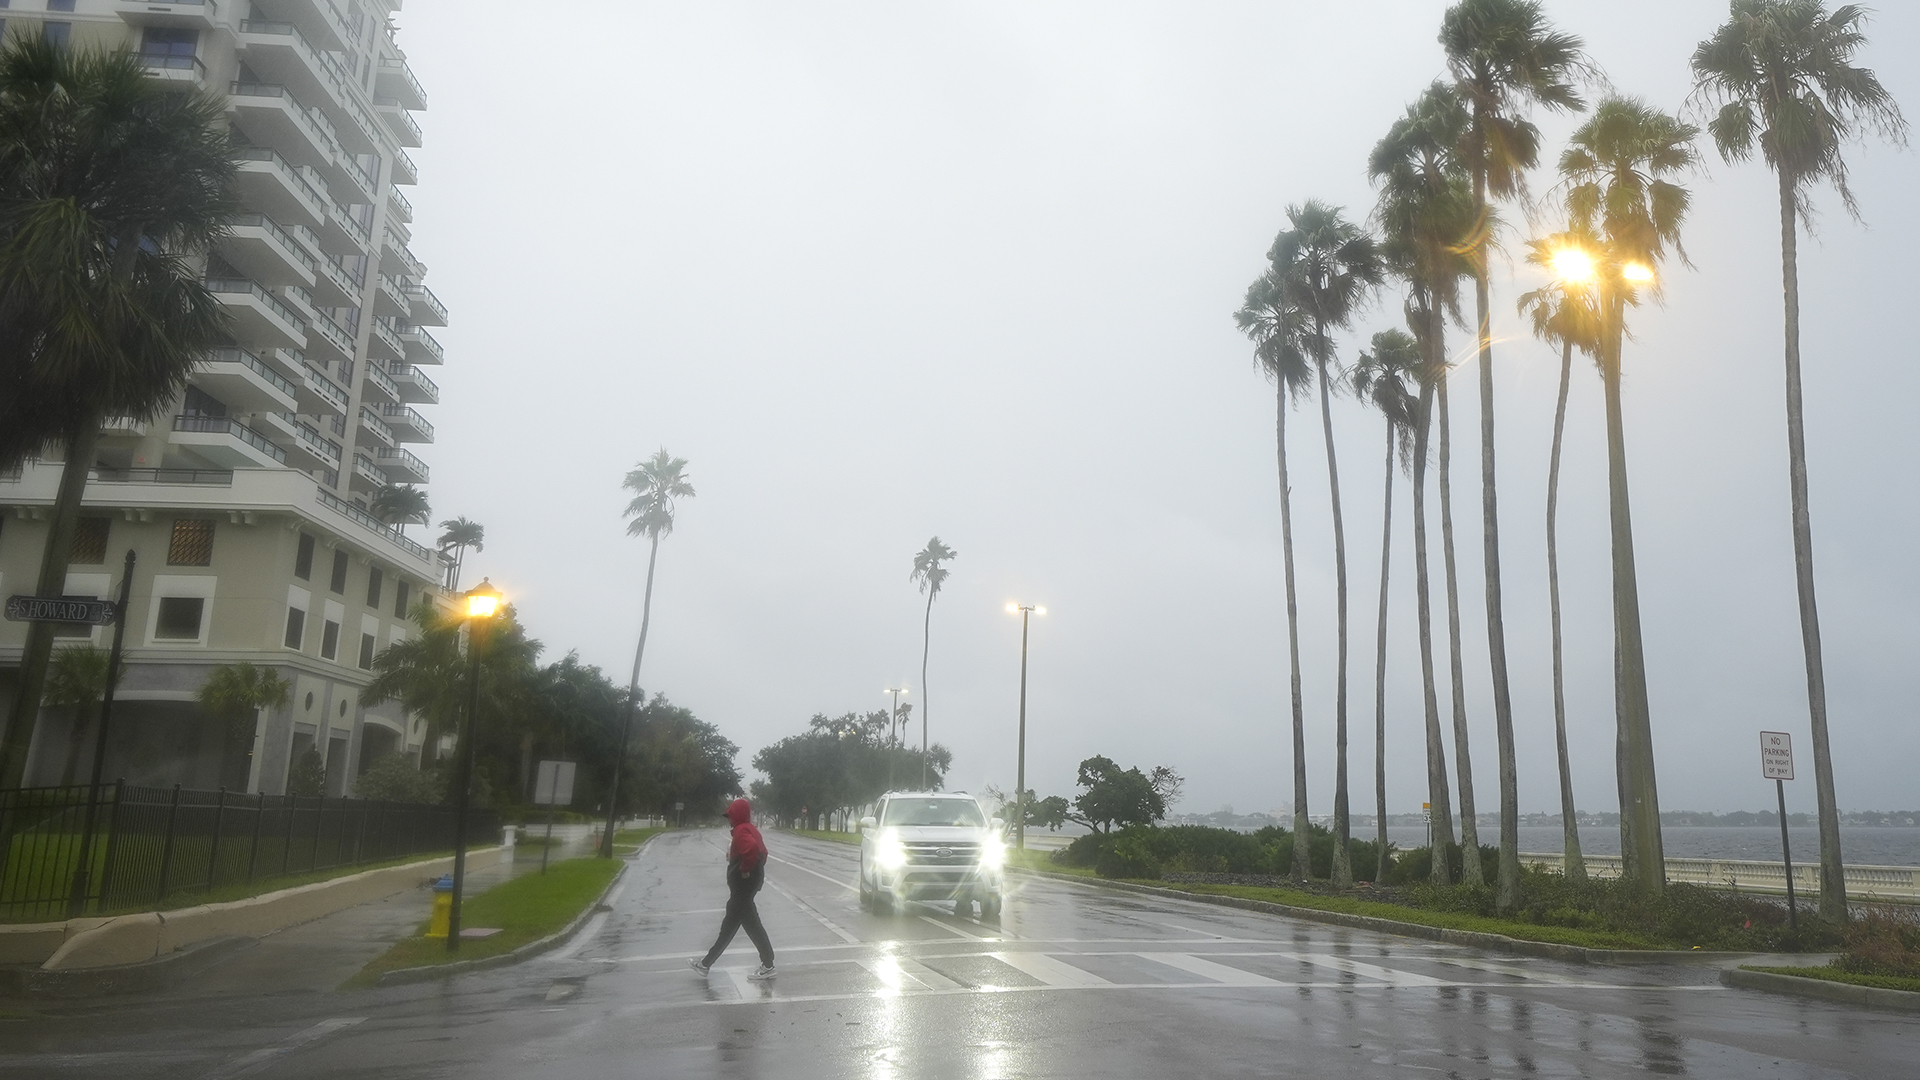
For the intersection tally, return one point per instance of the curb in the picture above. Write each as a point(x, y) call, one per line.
point(1475, 938)
point(148, 976)
point(1846, 993)
point(531, 949)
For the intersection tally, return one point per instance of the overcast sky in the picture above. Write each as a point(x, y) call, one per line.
point(883, 272)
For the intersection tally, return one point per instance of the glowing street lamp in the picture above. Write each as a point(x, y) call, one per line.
point(483, 605)
point(1020, 772)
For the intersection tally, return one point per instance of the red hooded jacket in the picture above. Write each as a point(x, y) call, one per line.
point(748, 851)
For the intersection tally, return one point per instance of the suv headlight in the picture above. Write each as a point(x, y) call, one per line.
point(993, 854)
point(889, 853)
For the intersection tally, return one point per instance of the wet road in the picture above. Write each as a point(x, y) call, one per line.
point(1073, 982)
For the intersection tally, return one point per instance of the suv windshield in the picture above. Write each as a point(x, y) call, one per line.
point(962, 812)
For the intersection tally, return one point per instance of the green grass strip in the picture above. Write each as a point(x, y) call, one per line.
point(821, 834)
point(525, 909)
point(1831, 974)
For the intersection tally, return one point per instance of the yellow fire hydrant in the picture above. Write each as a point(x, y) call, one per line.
point(442, 908)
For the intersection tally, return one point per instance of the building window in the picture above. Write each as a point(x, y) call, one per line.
point(303, 559)
point(57, 33)
point(90, 541)
point(400, 589)
point(329, 640)
point(179, 618)
point(169, 41)
point(339, 582)
point(373, 587)
point(296, 628)
point(59, 5)
point(192, 543)
point(366, 652)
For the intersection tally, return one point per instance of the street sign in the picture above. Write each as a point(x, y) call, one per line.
point(1776, 755)
point(553, 784)
point(64, 609)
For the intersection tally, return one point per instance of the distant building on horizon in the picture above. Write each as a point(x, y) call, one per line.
point(247, 500)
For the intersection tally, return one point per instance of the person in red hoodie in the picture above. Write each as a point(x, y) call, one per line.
point(746, 872)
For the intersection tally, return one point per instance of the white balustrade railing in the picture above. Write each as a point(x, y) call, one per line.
point(1868, 883)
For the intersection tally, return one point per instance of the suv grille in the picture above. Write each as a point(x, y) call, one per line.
point(941, 853)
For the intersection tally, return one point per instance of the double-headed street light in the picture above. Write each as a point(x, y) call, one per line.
point(1020, 772)
point(892, 719)
point(483, 605)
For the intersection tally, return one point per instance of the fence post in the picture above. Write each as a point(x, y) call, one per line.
point(360, 836)
point(319, 819)
point(259, 819)
point(286, 849)
point(113, 841)
point(213, 849)
point(166, 848)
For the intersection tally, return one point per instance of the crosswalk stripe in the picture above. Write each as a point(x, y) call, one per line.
point(1371, 971)
point(1048, 970)
point(1505, 969)
point(1207, 969)
point(901, 975)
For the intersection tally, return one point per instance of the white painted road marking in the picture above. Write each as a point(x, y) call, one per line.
point(265, 1056)
point(1207, 969)
point(1054, 973)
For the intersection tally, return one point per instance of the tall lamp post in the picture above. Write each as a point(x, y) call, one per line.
point(483, 604)
point(1026, 611)
point(892, 719)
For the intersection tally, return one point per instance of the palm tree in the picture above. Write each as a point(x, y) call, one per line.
point(1275, 326)
point(110, 187)
point(1380, 379)
point(1782, 71)
point(657, 483)
point(1564, 314)
point(930, 574)
point(1616, 165)
point(233, 695)
point(1426, 216)
point(1504, 58)
point(427, 673)
point(77, 680)
point(457, 536)
point(401, 504)
point(1328, 266)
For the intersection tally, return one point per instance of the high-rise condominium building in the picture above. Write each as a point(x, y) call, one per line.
point(246, 502)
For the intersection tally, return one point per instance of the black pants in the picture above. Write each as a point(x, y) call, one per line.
point(741, 912)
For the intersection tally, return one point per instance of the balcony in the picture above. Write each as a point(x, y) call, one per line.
point(395, 80)
point(402, 465)
point(385, 344)
point(395, 258)
point(259, 318)
point(380, 381)
point(200, 477)
point(123, 427)
point(271, 115)
point(398, 206)
point(415, 387)
point(421, 348)
point(240, 379)
point(267, 253)
point(322, 21)
point(227, 442)
point(404, 170)
point(427, 310)
point(309, 448)
point(278, 52)
point(342, 235)
point(366, 475)
point(326, 337)
point(408, 426)
point(168, 68)
point(376, 427)
point(404, 129)
point(268, 182)
point(333, 286)
point(359, 132)
point(199, 14)
point(319, 395)
point(390, 300)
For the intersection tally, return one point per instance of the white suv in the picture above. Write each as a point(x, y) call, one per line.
point(931, 845)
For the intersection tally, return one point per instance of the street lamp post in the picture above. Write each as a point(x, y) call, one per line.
point(892, 719)
point(1020, 771)
point(483, 603)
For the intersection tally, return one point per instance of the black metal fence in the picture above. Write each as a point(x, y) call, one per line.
point(151, 845)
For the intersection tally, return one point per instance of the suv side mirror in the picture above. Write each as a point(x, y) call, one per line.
point(998, 824)
point(867, 823)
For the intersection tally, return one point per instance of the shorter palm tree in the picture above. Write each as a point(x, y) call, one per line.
point(234, 695)
point(400, 505)
point(457, 536)
point(1381, 379)
point(930, 571)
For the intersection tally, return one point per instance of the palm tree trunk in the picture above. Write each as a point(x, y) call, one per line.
point(1575, 867)
point(1302, 856)
point(1833, 890)
point(1470, 869)
point(926, 646)
point(54, 560)
point(1380, 673)
point(1342, 876)
point(1643, 805)
point(633, 703)
point(1507, 887)
point(1439, 799)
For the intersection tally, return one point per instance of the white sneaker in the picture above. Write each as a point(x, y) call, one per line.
point(698, 966)
point(762, 973)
